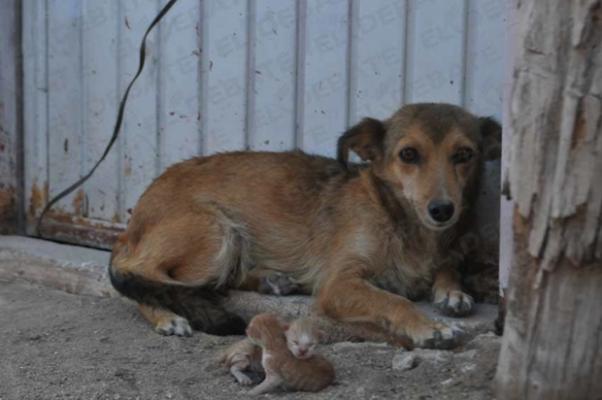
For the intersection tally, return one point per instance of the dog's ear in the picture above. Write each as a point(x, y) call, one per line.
point(365, 139)
point(491, 132)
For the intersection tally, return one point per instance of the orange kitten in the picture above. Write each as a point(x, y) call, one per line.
point(282, 368)
point(302, 338)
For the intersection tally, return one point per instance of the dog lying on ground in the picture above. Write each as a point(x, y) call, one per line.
point(364, 239)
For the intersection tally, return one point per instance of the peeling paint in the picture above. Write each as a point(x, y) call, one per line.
point(38, 198)
point(116, 217)
point(8, 209)
point(79, 201)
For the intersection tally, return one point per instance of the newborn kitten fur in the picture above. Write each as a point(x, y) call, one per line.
point(278, 284)
point(241, 357)
point(302, 338)
point(282, 368)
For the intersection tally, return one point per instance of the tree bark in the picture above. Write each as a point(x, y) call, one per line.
point(552, 345)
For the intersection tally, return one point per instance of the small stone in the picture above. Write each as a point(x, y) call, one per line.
point(484, 342)
point(434, 356)
point(466, 355)
point(468, 367)
point(447, 382)
point(405, 361)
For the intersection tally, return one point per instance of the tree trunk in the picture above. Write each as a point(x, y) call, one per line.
point(552, 346)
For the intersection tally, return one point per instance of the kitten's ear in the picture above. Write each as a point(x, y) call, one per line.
point(321, 335)
point(252, 331)
point(365, 139)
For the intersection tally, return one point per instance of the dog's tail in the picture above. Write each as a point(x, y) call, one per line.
point(199, 305)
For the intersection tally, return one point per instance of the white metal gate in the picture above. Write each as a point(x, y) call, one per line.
point(230, 74)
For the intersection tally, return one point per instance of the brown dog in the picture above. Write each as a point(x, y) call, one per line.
point(363, 238)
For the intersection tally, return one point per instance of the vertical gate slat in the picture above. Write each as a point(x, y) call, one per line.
point(100, 98)
point(140, 152)
point(274, 76)
point(225, 76)
point(179, 114)
point(485, 56)
point(325, 66)
point(378, 58)
point(65, 134)
point(435, 64)
point(483, 96)
point(35, 95)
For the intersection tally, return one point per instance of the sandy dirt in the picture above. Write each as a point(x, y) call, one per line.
point(60, 346)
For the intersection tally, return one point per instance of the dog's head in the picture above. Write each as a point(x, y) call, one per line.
point(429, 154)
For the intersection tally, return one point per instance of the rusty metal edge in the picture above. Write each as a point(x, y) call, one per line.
point(76, 233)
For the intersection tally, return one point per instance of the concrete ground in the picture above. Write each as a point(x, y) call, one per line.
point(57, 345)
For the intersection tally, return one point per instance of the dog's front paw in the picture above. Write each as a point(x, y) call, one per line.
point(176, 326)
point(454, 303)
point(435, 336)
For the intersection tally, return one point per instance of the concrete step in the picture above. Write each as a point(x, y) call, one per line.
point(81, 270)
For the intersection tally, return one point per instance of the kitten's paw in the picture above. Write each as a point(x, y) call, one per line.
point(244, 380)
point(177, 326)
point(454, 303)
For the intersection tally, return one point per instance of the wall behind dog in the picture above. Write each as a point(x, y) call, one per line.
point(232, 74)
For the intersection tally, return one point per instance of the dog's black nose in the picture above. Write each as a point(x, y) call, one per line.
point(441, 210)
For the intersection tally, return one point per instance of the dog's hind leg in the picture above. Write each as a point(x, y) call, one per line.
point(176, 269)
point(165, 322)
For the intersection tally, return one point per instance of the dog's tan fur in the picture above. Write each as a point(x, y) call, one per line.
point(359, 237)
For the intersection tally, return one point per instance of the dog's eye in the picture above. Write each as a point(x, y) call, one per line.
point(409, 155)
point(463, 155)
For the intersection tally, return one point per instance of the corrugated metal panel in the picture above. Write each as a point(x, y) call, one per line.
point(225, 75)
